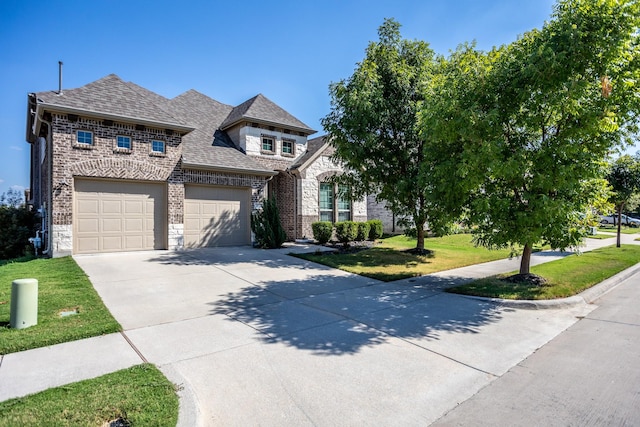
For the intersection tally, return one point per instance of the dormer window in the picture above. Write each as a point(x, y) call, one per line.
point(268, 144)
point(287, 147)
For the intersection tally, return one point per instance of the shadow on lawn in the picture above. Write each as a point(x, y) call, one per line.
point(337, 315)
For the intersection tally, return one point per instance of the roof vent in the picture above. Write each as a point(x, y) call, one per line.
point(59, 77)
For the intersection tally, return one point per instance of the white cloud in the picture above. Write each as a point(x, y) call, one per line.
point(17, 187)
point(15, 148)
point(1, 180)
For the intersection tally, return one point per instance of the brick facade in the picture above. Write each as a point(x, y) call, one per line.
point(104, 160)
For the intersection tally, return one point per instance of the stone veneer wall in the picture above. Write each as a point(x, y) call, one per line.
point(309, 193)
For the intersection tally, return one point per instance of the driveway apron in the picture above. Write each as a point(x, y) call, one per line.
point(261, 337)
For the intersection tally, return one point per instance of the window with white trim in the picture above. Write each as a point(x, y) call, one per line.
point(123, 142)
point(158, 146)
point(84, 137)
point(332, 206)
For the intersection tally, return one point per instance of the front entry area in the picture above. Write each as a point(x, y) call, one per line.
point(216, 216)
point(116, 216)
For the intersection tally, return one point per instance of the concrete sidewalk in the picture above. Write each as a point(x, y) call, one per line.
point(258, 335)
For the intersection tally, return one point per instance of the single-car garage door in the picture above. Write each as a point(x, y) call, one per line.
point(114, 216)
point(216, 216)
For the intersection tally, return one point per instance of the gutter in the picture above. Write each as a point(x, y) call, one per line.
point(114, 117)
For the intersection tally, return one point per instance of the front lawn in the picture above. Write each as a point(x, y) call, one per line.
point(566, 277)
point(138, 396)
point(391, 261)
point(62, 287)
point(614, 229)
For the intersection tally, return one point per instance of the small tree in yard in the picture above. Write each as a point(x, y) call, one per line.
point(624, 178)
point(373, 125)
point(267, 226)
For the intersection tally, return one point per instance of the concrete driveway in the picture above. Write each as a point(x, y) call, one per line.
point(260, 337)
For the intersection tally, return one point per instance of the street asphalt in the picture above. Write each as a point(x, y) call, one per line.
point(260, 337)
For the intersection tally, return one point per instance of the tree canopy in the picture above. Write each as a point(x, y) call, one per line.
point(534, 120)
point(373, 124)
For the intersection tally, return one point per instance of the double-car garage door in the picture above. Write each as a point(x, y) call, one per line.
point(115, 216)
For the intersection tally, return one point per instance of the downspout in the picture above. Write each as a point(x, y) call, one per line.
point(49, 202)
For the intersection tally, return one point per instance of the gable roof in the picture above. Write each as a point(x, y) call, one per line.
point(207, 146)
point(261, 109)
point(112, 97)
point(315, 148)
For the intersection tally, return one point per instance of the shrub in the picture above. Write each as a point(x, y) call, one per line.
point(346, 231)
point(267, 226)
point(363, 231)
point(322, 231)
point(376, 229)
point(17, 224)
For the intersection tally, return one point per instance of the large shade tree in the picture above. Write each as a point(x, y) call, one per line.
point(535, 119)
point(373, 125)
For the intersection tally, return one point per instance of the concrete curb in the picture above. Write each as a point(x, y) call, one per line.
point(189, 414)
point(585, 297)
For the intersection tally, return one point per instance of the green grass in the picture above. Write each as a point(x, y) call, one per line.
point(390, 261)
point(601, 236)
point(62, 286)
point(614, 229)
point(566, 277)
point(140, 395)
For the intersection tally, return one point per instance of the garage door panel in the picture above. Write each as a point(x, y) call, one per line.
point(111, 207)
point(216, 216)
point(111, 225)
point(114, 216)
point(89, 206)
point(135, 207)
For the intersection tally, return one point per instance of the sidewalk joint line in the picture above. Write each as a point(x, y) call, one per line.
point(609, 321)
point(144, 359)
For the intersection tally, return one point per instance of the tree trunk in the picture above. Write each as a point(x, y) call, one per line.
point(420, 243)
point(525, 262)
point(619, 224)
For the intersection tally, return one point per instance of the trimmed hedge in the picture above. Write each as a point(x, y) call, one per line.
point(363, 231)
point(346, 231)
point(322, 231)
point(376, 229)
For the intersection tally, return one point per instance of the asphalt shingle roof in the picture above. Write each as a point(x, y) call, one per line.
point(111, 95)
point(313, 145)
point(260, 108)
point(208, 145)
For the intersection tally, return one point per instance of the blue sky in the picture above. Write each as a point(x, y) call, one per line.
point(290, 51)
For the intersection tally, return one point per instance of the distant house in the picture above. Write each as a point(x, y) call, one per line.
point(116, 167)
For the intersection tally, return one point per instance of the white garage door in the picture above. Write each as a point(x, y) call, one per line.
point(111, 216)
point(216, 216)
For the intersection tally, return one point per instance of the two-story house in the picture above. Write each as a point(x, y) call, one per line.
point(116, 167)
